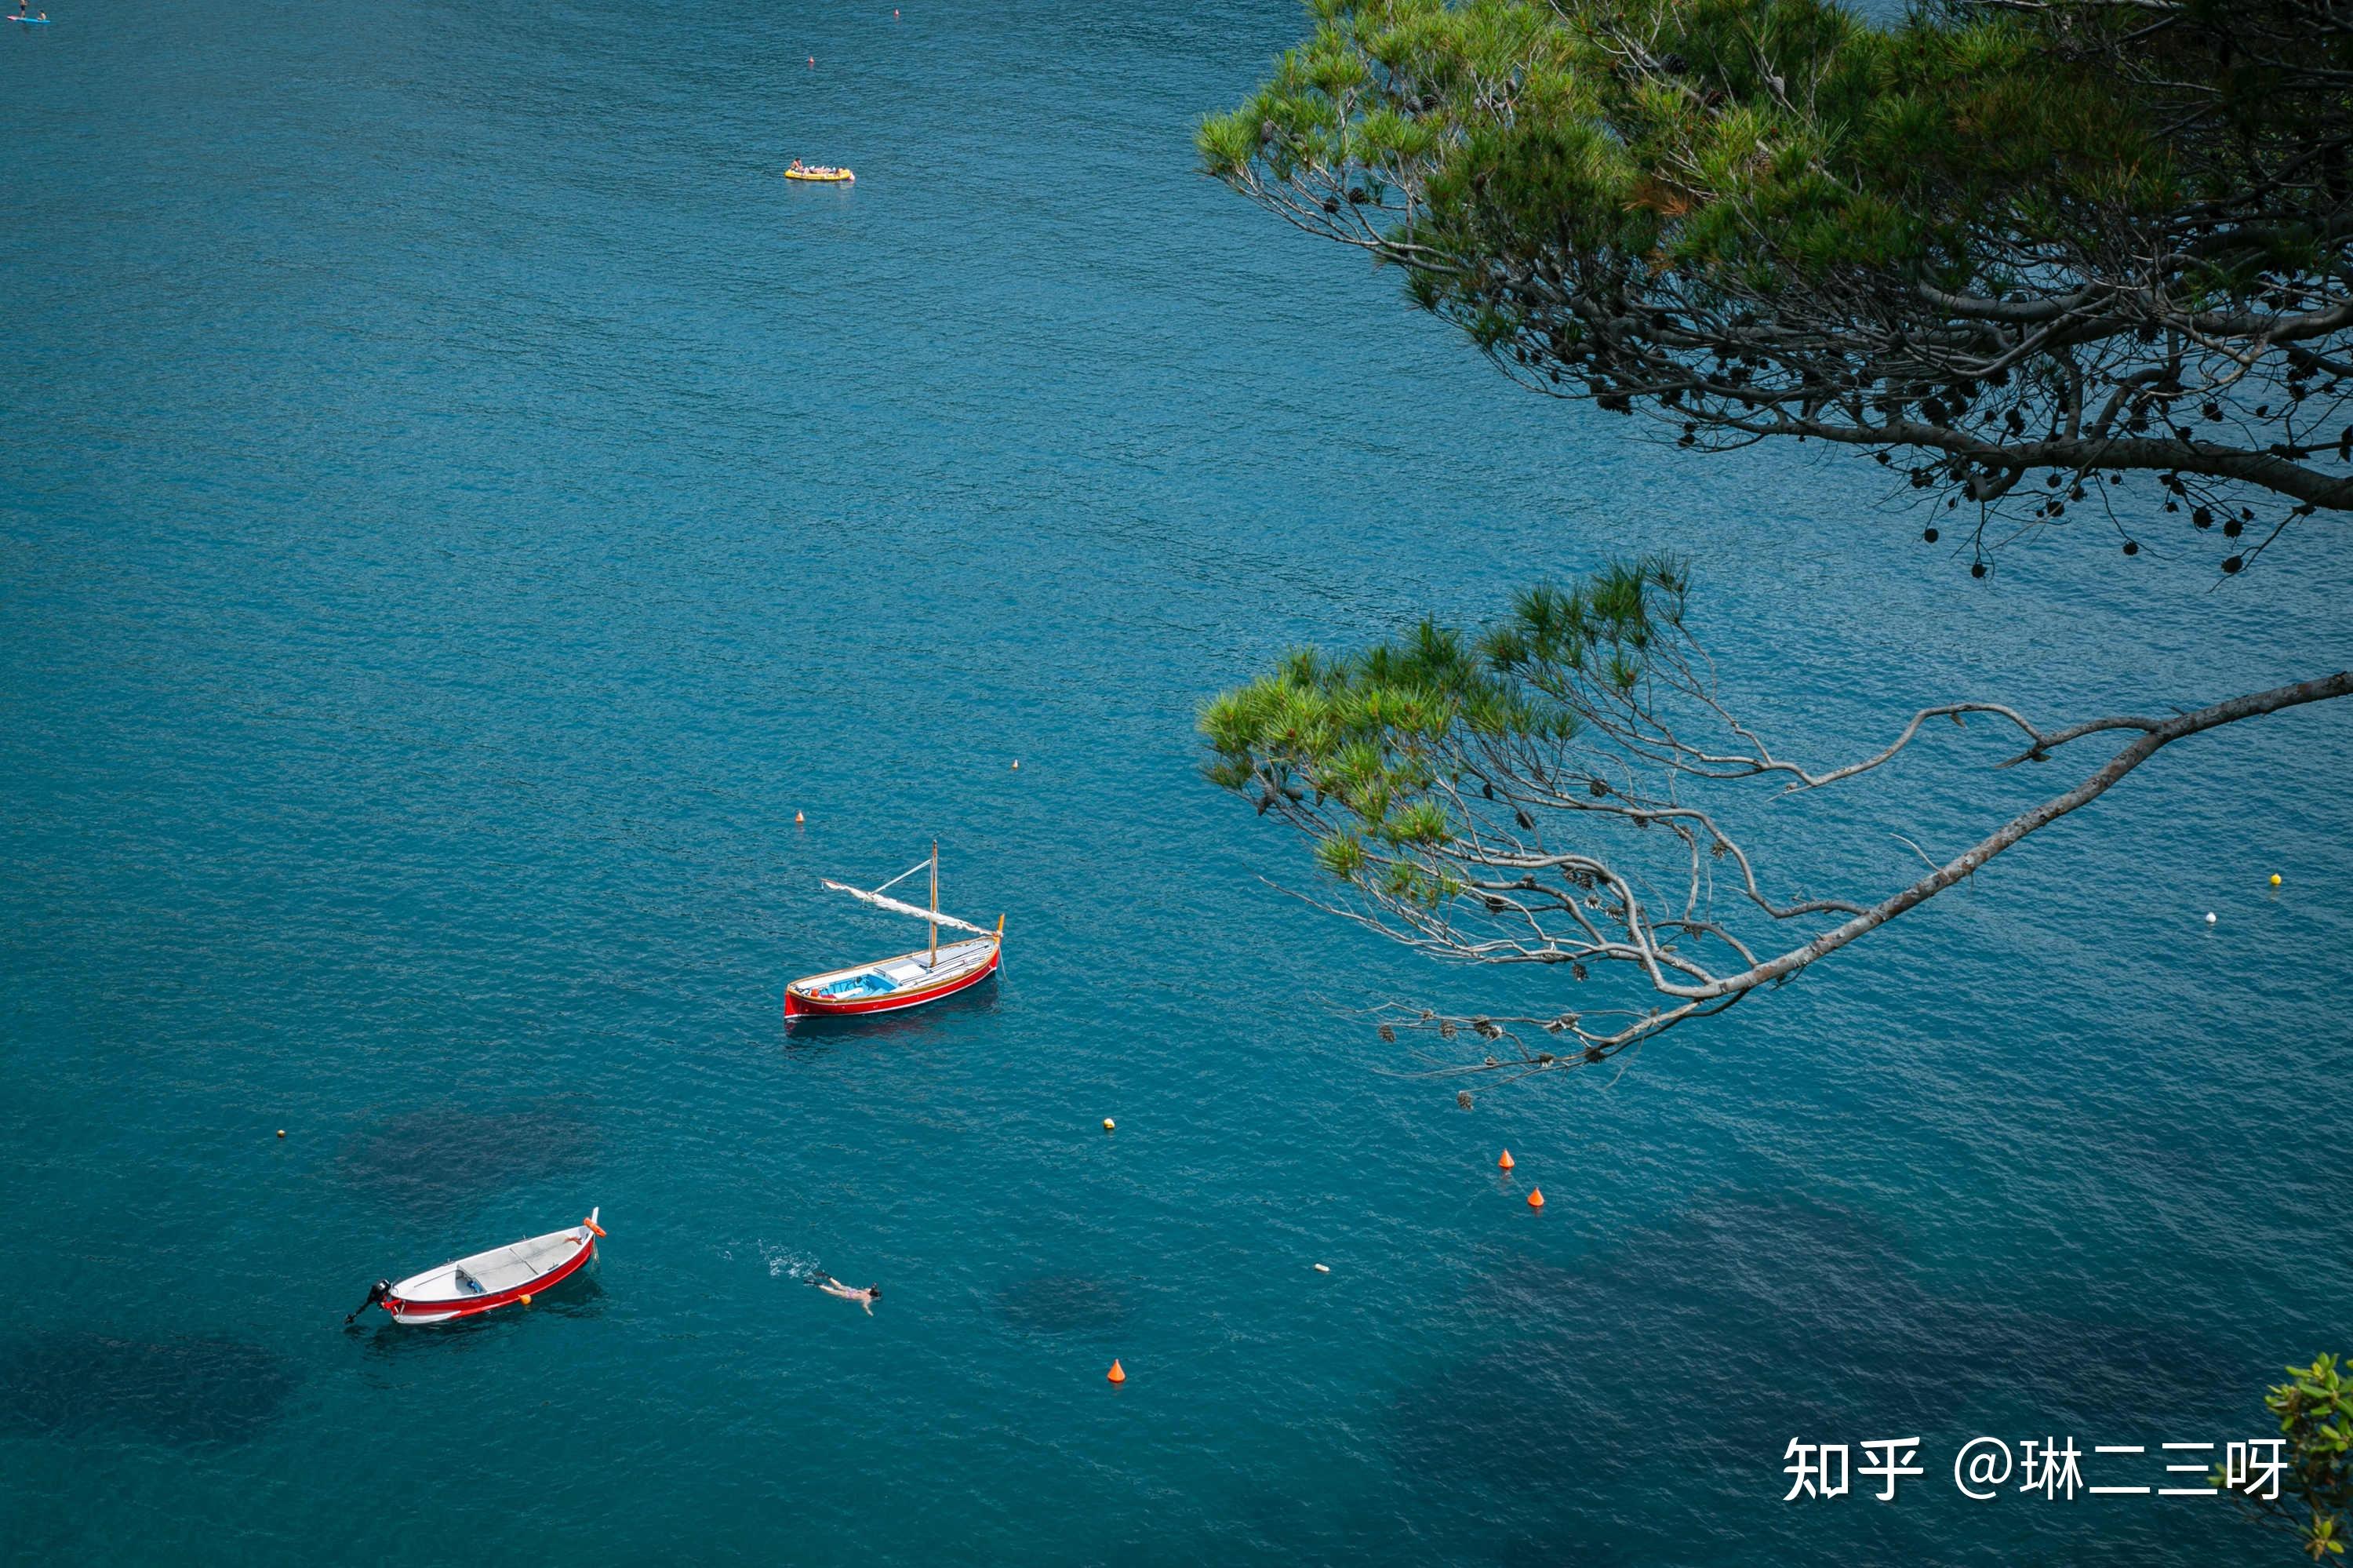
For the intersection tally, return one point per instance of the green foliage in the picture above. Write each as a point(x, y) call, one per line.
point(2314, 1408)
point(1341, 854)
point(1374, 743)
point(2001, 236)
point(1781, 139)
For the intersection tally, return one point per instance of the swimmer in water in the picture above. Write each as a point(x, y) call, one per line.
point(866, 1297)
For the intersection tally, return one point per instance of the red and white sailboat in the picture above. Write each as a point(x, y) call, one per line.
point(909, 980)
point(488, 1280)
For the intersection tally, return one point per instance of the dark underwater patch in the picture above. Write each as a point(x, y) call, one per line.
point(180, 1391)
point(440, 1158)
point(1690, 1353)
point(1063, 1304)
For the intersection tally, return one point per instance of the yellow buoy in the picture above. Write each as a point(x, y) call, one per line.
point(281, 1132)
point(525, 1299)
point(2275, 879)
point(1109, 1125)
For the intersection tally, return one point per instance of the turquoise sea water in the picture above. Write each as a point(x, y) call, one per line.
point(457, 504)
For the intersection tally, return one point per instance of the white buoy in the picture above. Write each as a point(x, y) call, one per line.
point(2210, 917)
point(1322, 1268)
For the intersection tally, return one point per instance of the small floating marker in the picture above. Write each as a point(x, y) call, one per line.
point(1322, 1268)
point(525, 1299)
point(1118, 1373)
point(2275, 879)
point(2210, 917)
point(1017, 765)
point(1110, 1125)
point(812, 62)
point(281, 1132)
point(1535, 1197)
point(799, 820)
point(1505, 1162)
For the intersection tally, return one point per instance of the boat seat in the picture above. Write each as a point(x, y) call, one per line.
point(871, 982)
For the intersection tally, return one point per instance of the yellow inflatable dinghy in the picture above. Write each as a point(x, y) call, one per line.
point(822, 176)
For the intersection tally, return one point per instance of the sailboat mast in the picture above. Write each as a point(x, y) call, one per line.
point(935, 904)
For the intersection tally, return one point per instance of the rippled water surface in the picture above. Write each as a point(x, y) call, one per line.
point(458, 505)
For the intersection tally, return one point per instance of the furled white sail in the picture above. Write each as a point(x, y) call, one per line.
point(918, 912)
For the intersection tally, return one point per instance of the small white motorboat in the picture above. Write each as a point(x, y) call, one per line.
point(488, 1280)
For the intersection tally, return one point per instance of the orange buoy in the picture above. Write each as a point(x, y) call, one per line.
point(525, 1299)
point(1118, 1373)
point(1505, 1162)
point(1535, 1197)
point(799, 819)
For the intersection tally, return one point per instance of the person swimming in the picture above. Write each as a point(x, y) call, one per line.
point(866, 1297)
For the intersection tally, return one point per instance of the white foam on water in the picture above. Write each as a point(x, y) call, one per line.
point(785, 1261)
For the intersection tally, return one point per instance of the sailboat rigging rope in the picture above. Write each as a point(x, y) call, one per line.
point(880, 901)
point(904, 874)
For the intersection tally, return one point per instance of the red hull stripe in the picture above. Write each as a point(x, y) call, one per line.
point(796, 1006)
point(467, 1306)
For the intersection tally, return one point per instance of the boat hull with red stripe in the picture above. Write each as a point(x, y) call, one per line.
point(911, 979)
point(502, 1276)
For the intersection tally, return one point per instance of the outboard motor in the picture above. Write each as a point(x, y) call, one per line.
point(376, 1293)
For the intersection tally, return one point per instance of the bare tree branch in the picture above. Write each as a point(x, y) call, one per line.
point(1522, 801)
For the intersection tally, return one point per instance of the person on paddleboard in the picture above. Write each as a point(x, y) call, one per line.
point(866, 1297)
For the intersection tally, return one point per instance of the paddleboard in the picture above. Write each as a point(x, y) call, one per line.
point(31, 21)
